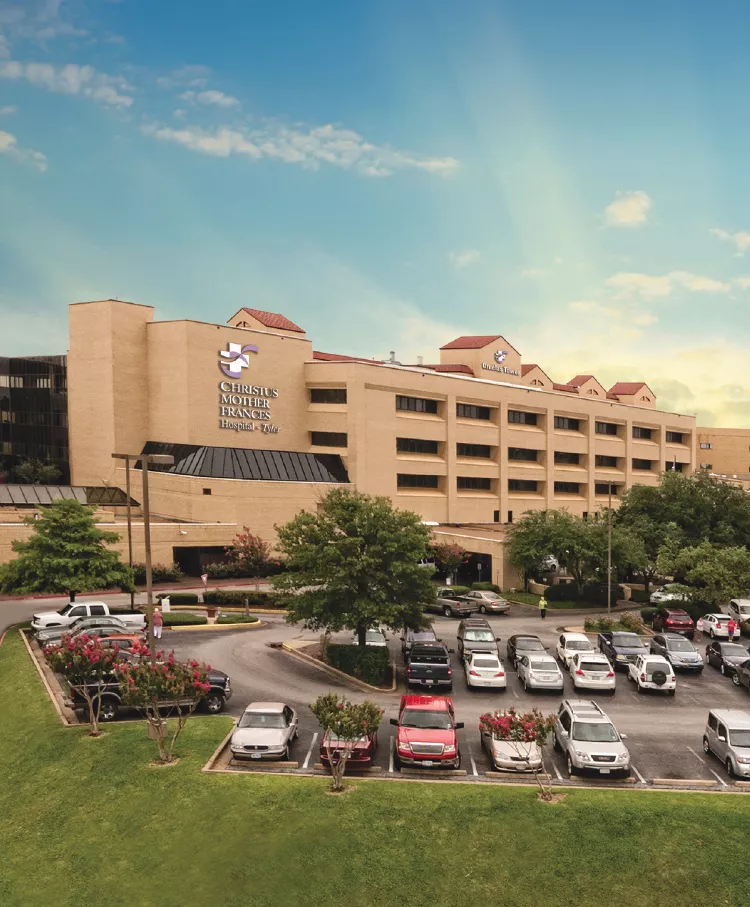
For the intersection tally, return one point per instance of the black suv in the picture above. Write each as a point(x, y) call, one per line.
point(475, 635)
point(621, 648)
point(424, 637)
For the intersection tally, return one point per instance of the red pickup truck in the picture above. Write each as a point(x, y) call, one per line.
point(427, 733)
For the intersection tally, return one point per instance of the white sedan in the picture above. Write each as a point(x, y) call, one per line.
point(374, 637)
point(665, 594)
point(570, 644)
point(484, 669)
point(592, 672)
point(714, 625)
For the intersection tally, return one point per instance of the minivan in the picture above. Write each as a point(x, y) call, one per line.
point(739, 609)
point(727, 736)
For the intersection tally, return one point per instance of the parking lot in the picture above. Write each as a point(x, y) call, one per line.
point(664, 734)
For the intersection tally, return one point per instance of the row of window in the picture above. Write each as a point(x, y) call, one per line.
point(475, 483)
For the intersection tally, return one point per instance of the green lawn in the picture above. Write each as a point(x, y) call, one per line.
point(85, 822)
point(531, 598)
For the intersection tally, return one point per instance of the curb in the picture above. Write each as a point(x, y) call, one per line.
point(182, 629)
point(684, 782)
point(618, 606)
point(231, 609)
point(209, 766)
point(64, 720)
point(340, 675)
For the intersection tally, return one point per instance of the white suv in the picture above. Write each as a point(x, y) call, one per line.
point(589, 739)
point(652, 672)
point(739, 609)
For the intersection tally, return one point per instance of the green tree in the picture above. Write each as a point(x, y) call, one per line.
point(66, 553)
point(530, 539)
point(345, 722)
point(355, 564)
point(34, 472)
point(449, 557)
point(713, 573)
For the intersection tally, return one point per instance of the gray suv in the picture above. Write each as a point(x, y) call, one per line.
point(476, 635)
point(727, 736)
point(589, 740)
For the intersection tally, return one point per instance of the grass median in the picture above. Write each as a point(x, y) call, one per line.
point(86, 822)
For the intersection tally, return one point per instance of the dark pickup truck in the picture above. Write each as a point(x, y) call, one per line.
point(111, 697)
point(429, 666)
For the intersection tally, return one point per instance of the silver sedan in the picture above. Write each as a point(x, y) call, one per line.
point(539, 672)
point(512, 755)
point(488, 602)
point(266, 730)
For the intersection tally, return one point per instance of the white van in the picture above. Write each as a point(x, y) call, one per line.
point(739, 609)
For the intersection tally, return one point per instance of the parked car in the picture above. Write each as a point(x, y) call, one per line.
point(266, 730)
point(88, 625)
point(673, 620)
point(42, 620)
point(592, 671)
point(570, 643)
point(476, 635)
point(539, 672)
point(621, 648)
point(429, 666)
point(679, 652)
point(741, 675)
point(714, 625)
point(652, 672)
point(726, 656)
point(449, 604)
point(550, 563)
point(373, 637)
point(668, 593)
point(426, 733)
point(488, 602)
point(512, 756)
point(589, 739)
point(361, 755)
point(413, 638)
point(110, 694)
point(484, 669)
point(727, 736)
point(124, 642)
point(521, 644)
point(739, 609)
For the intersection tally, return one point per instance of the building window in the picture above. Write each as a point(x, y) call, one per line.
point(474, 450)
point(469, 411)
point(416, 405)
point(707, 465)
point(676, 467)
point(404, 480)
point(567, 488)
point(604, 460)
point(521, 418)
point(537, 383)
point(603, 488)
point(674, 437)
point(510, 516)
point(416, 445)
point(522, 453)
point(705, 445)
point(328, 438)
point(521, 485)
point(605, 428)
point(567, 424)
point(569, 459)
point(592, 392)
point(643, 433)
point(473, 483)
point(496, 516)
point(206, 491)
point(642, 464)
point(327, 395)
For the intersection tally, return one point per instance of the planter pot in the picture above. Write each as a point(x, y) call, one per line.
point(210, 611)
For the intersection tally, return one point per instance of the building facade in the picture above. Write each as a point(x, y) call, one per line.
point(724, 451)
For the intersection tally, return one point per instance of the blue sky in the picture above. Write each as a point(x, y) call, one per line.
point(390, 175)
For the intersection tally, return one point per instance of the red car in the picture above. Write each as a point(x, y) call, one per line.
point(362, 755)
point(674, 620)
point(427, 733)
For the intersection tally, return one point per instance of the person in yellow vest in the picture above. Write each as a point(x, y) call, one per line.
point(542, 607)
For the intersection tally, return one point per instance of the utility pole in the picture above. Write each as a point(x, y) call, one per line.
point(609, 554)
point(130, 525)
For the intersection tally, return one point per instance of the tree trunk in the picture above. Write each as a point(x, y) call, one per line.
point(361, 635)
point(72, 596)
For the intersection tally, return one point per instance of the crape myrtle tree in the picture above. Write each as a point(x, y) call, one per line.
point(449, 557)
point(346, 723)
point(65, 554)
point(355, 564)
point(521, 731)
point(249, 553)
point(85, 664)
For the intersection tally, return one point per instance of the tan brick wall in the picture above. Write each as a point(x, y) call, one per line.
point(729, 452)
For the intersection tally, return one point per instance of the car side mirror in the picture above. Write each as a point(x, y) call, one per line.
point(498, 639)
point(623, 736)
point(451, 651)
point(459, 725)
point(563, 733)
point(439, 639)
point(723, 739)
point(394, 722)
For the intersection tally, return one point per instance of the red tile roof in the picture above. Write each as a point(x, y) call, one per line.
point(580, 379)
point(568, 388)
point(611, 396)
point(272, 320)
point(337, 357)
point(628, 388)
point(469, 342)
point(525, 369)
point(442, 367)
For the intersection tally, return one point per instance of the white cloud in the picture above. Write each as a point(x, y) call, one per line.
point(192, 76)
point(584, 305)
point(740, 240)
point(742, 282)
point(465, 258)
point(7, 111)
point(629, 209)
point(9, 146)
point(307, 146)
point(629, 283)
point(533, 273)
point(209, 97)
point(70, 79)
point(38, 20)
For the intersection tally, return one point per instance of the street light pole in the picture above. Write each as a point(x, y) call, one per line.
point(130, 525)
point(609, 554)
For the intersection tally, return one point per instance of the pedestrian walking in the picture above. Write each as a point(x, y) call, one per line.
point(542, 607)
point(732, 628)
point(158, 623)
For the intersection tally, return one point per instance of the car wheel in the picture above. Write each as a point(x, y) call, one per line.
point(525, 687)
point(723, 669)
point(447, 612)
point(571, 767)
point(639, 687)
point(214, 703)
point(613, 691)
point(735, 678)
point(482, 609)
point(285, 755)
point(107, 710)
point(706, 746)
point(396, 761)
point(296, 734)
point(730, 767)
point(671, 692)
point(555, 743)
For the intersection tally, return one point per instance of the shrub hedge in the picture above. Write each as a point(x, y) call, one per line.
point(647, 614)
point(486, 587)
point(180, 598)
point(236, 619)
point(177, 618)
point(640, 596)
point(456, 590)
point(236, 598)
point(367, 663)
point(160, 573)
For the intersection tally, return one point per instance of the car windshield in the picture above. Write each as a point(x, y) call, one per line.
point(490, 595)
point(540, 665)
point(486, 663)
point(579, 645)
point(529, 644)
point(426, 720)
point(594, 666)
point(601, 732)
point(627, 640)
point(66, 608)
point(479, 636)
point(424, 636)
point(262, 720)
point(739, 738)
point(734, 651)
point(678, 615)
point(373, 636)
point(680, 645)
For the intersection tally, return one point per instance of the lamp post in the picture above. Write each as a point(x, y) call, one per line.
point(146, 460)
point(609, 554)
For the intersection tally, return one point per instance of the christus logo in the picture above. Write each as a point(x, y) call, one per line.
point(236, 358)
point(500, 356)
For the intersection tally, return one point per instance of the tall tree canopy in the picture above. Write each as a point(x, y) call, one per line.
point(355, 564)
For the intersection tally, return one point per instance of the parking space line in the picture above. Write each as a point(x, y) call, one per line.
point(638, 775)
point(473, 763)
point(695, 754)
point(390, 756)
point(721, 781)
point(557, 772)
point(515, 692)
point(309, 752)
